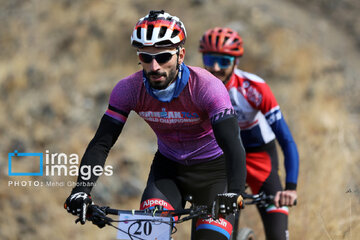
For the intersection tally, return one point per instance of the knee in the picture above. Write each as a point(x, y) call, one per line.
point(276, 224)
point(213, 229)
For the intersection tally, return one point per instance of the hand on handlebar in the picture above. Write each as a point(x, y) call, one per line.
point(76, 204)
point(227, 203)
point(285, 198)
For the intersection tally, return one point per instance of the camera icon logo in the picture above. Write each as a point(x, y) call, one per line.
point(16, 160)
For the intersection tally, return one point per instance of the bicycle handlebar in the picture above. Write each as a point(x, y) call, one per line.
point(261, 199)
point(97, 214)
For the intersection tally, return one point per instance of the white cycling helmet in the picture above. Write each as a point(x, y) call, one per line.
point(158, 29)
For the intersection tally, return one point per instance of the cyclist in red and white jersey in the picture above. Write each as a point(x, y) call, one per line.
point(200, 152)
point(261, 122)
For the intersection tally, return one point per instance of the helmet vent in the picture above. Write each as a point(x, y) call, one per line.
point(138, 32)
point(217, 40)
point(222, 41)
point(164, 43)
point(175, 33)
point(162, 31)
point(149, 32)
point(158, 29)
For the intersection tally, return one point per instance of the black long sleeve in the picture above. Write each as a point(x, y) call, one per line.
point(97, 151)
point(227, 134)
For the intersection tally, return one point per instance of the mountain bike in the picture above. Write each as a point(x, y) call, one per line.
point(145, 224)
point(160, 224)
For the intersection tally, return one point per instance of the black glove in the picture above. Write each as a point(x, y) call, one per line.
point(98, 216)
point(227, 203)
point(77, 203)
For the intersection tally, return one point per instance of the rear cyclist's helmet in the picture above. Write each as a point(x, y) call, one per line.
point(158, 29)
point(222, 40)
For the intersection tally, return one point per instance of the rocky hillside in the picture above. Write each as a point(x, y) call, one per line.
point(60, 59)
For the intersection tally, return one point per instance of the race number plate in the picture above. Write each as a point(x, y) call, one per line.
point(143, 227)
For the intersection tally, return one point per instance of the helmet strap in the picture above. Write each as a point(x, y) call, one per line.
point(177, 58)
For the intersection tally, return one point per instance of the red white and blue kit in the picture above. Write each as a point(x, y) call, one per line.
point(261, 122)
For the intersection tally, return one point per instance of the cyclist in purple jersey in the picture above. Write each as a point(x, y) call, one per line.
point(200, 152)
point(261, 122)
point(183, 127)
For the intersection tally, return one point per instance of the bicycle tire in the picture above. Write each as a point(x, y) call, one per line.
point(246, 234)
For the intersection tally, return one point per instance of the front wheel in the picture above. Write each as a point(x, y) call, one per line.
point(245, 234)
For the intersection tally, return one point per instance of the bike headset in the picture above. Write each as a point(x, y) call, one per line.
point(221, 41)
point(159, 29)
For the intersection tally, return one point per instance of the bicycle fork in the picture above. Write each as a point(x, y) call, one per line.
point(236, 226)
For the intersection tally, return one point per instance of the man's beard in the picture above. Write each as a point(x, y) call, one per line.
point(218, 74)
point(222, 75)
point(168, 79)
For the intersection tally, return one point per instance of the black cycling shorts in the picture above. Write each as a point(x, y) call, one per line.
point(262, 176)
point(170, 183)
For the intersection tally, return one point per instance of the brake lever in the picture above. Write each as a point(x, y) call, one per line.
point(97, 215)
point(82, 217)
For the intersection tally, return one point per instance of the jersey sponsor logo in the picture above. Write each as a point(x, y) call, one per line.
point(163, 113)
point(223, 115)
point(221, 225)
point(254, 96)
point(246, 84)
point(218, 222)
point(273, 115)
point(153, 202)
point(251, 93)
point(170, 117)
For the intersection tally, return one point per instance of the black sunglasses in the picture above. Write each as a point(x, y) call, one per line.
point(161, 57)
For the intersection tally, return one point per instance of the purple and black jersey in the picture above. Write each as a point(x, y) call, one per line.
point(183, 126)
